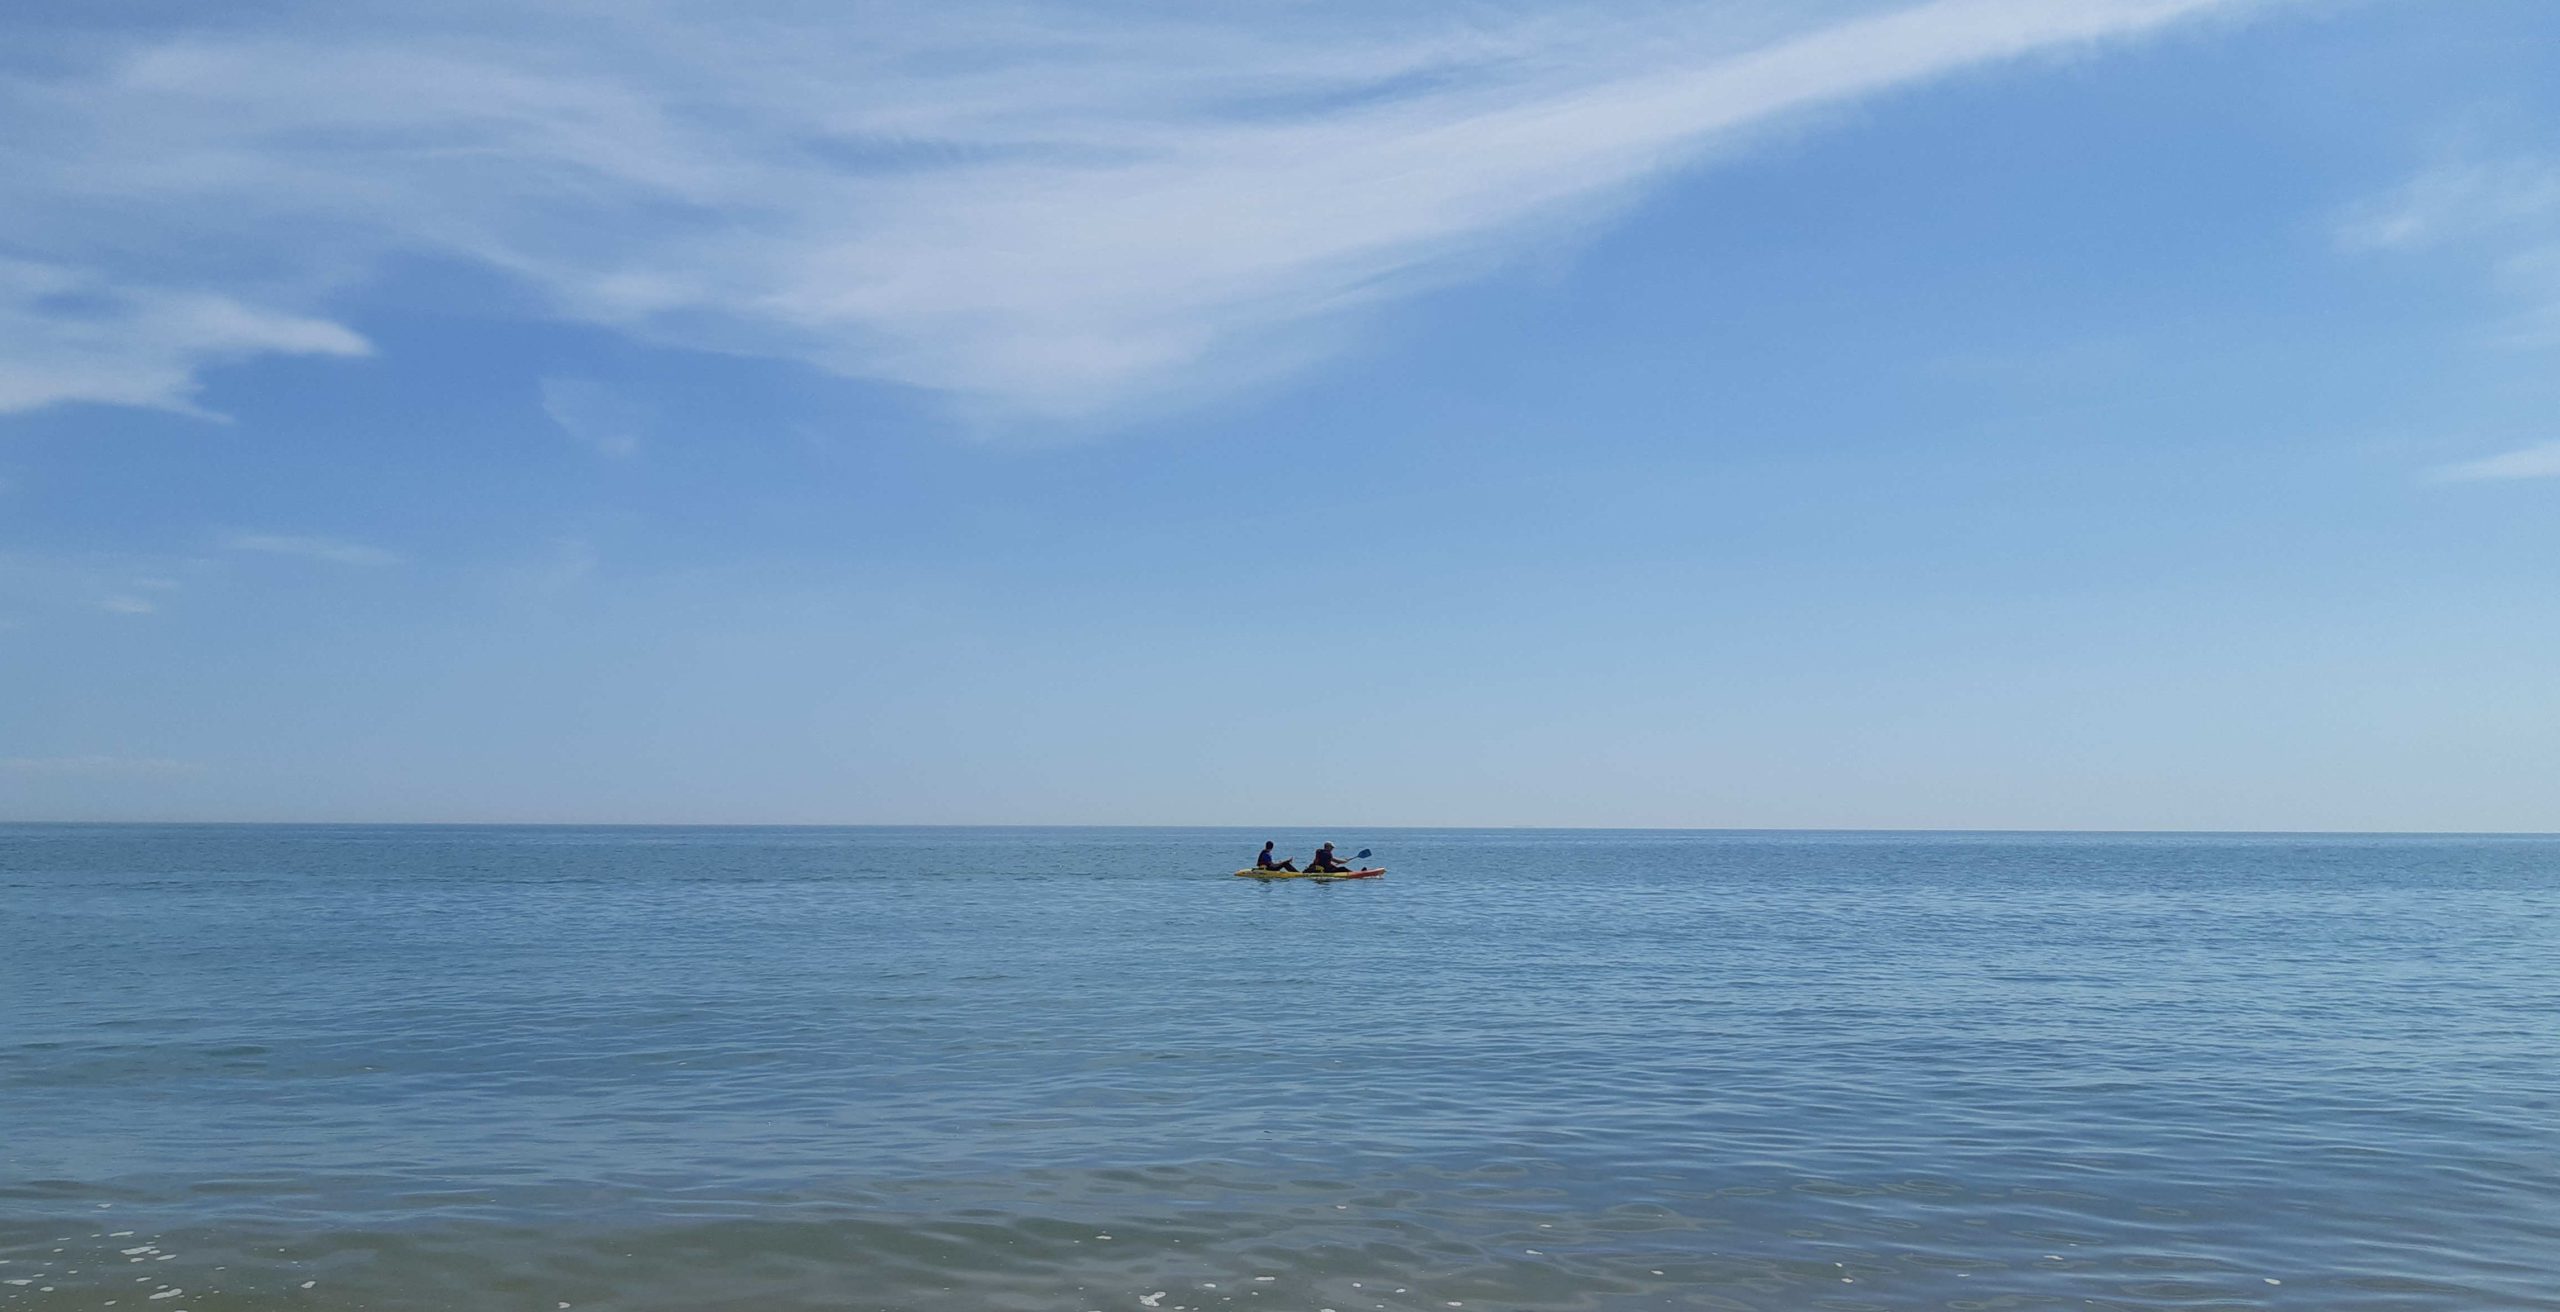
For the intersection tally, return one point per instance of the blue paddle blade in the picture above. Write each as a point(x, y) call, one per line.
point(1364, 855)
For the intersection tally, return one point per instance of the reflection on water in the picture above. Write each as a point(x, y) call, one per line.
point(944, 1069)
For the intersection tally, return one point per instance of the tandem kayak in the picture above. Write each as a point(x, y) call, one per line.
point(1371, 873)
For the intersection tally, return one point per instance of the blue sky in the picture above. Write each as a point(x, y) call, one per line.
point(1981, 413)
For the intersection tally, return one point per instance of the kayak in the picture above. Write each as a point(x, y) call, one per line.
point(1268, 875)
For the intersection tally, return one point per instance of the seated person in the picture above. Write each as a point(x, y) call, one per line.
point(1324, 861)
point(1268, 862)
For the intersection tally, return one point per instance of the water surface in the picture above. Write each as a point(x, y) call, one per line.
point(392, 1068)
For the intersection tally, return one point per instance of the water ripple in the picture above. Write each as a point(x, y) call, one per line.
point(336, 1068)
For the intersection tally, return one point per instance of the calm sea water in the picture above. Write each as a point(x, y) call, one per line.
point(1086, 1070)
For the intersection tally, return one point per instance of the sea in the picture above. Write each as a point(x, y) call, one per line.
point(1089, 1070)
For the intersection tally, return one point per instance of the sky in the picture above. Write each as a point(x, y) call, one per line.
point(2086, 414)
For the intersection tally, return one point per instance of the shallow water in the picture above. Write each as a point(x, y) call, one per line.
point(325, 1068)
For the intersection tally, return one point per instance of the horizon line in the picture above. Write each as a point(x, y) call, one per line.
point(1559, 829)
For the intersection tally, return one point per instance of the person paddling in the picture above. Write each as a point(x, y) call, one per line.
point(1323, 861)
point(1267, 861)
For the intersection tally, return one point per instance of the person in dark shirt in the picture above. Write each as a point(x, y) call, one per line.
point(1324, 861)
point(1267, 861)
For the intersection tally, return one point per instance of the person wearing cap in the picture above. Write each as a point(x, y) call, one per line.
point(1323, 861)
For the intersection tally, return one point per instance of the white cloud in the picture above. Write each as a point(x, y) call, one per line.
point(72, 336)
point(1052, 211)
point(116, 584)
point(2541, 460)
point(330, 550)
point(2457, 201)
point(594, 414)
point(2504, 212)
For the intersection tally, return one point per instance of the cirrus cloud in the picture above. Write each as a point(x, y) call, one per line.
point(2541, 460)
point(72, 335)
point(2502, 212)
point(1052, 213)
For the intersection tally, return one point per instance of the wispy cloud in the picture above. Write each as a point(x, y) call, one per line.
point(1051, 211)
point(594, 414)
point(2541, 460)
point(118, 585)
point(330, 550)
point(72, 335)
point(2458, 201)
point(2505, 213)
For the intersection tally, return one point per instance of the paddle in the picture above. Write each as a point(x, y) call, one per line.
point(1362, 855)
